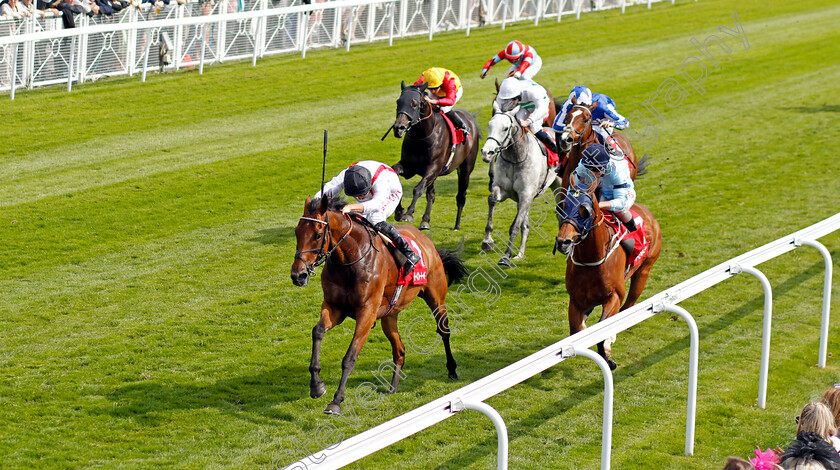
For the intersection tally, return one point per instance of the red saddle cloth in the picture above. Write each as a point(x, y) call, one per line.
point(639, 236)
point(551, 156)
point(417, 277)
point(457, 134)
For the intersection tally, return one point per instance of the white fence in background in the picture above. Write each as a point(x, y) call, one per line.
point(472, 396)
point(37, 51)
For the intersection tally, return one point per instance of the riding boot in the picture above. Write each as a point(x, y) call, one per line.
point(561, 168)
point(458, 122)
point(631, 225)
point(546, 139)
point(410, 256)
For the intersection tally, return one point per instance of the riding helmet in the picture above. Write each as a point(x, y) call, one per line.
point(357, 181)
point(582, 95)
point(433, 77)
point(596, 158)
point(514, 50)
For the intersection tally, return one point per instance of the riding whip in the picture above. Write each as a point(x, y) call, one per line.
point(386, 133)
point(324, 167)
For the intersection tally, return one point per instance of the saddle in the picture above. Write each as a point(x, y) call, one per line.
point(551, 156)
point(639, 237)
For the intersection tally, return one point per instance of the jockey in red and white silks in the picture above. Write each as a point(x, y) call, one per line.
point(385, 192)
point(526, 62)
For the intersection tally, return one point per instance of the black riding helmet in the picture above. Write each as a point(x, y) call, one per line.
point(596, 158)
point(357, 181)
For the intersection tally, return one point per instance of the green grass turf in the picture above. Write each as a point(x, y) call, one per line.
point(148, 319)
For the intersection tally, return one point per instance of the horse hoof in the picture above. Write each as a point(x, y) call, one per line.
point(425, 226)
point(519, 257)
point(612, 364)
point(505, 261)
point(457, 228)
point(333, 409)
point(453, 375)
point(486, 246)
point(318, 390)
point(407, 218)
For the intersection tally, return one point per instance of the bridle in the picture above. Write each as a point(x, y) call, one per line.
point(582, 231)
point(575, 134)
point(509, 137)
point(326, 250)
point(416, 119)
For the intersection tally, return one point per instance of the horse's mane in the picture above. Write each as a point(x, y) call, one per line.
point(333, 204)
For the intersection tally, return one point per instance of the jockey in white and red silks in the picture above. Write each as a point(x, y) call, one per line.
point(377, 190)
point(526, 62)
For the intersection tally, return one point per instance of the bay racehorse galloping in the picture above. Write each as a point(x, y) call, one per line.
point(521, 173)
point(579, 134)
point(426, 151)
point(359, 281)
point(595, 263)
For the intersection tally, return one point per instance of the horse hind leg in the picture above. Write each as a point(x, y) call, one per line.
point(391, 330)
point(435, 297)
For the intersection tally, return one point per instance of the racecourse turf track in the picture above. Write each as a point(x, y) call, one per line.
point(148, 319)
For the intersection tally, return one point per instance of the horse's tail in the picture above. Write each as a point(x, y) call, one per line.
point(453, 265)
point(642, 166)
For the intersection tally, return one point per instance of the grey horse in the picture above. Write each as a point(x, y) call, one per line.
point(519, 172)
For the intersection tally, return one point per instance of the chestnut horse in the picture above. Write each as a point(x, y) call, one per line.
point(359, 281)
point(579, 134)
point(426, 150)
point(595, 263)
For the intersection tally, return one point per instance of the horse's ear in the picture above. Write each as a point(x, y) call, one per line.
point(423, 86)
point(402, 85)
point(496, 108)
point(593, 106)
point(497, 85)
point(306, 204)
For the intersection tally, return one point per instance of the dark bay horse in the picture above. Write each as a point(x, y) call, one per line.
point(579, 134)
point(595, 263)
point(359, 281)
point(426, 150)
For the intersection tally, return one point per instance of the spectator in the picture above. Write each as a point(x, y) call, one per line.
point(42, 7)
point(809, 451)
point(68, 8)
point(106, 7)
point(11, 9)
point(831, 398)
point(737, 463)
point(817, 418)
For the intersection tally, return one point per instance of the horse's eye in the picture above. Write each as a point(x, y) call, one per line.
point(318, 236)
point(414, 103)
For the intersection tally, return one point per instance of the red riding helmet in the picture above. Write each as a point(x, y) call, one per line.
point(514, 50)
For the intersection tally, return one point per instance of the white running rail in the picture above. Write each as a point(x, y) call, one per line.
point(379, 437)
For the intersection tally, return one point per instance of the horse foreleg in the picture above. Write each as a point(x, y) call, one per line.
point(492, 200)
point(577, 318)
point(610, 308)
point(364, 323)
point(329, 318)
point(389, 327)
point(430, 199)
point(522, 211)
point(416, 193)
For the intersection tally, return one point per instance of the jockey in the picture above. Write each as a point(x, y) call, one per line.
point(378, 191)
point(604, 116)
point(533, 106)
point(444, 91)
point(617, 189)
point(526, 62)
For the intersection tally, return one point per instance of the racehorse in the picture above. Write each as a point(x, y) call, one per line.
point(426, 151)
point(359, 281)
point(552, 105)
point(595, 263)
point(579, 134)
point(521, 173)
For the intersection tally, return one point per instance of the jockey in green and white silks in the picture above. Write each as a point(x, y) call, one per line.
point(533, 103)
point(618, 193)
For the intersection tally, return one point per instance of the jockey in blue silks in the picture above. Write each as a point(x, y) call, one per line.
point(604, 116)
point(617, 189)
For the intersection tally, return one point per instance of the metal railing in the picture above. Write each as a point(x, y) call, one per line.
point(472, 396)
point(37, 51)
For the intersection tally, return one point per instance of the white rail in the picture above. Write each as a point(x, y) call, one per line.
point(202, 34)
point(383, 435)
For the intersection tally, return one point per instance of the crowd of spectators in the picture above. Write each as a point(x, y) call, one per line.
point(66, 9)
point(815, 447)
